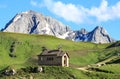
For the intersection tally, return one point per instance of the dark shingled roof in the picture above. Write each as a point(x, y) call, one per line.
point(53, 53)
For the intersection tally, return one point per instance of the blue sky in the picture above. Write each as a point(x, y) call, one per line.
point(75, 13)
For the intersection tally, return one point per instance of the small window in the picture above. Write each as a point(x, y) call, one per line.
point(41, 58)
point(50, 58)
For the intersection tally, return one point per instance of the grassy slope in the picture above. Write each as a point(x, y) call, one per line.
point(27, 47)
point(109, 71)
point(51, 73)
point(115, 68)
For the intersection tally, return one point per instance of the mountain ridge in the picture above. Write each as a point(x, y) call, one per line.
point(31, 22)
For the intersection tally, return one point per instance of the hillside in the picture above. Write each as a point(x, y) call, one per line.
point(21, 50)
point(29, 46)
point(116, 44)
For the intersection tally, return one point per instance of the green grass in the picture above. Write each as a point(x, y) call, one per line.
point(116, 44)
point(108, 53)
point(115, 68)
point(83, 58)
point(27, 47)
point(101, 75)
point(109, 71)
point(51, 72)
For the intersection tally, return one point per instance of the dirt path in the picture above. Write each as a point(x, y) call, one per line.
point(85, 68)
point(108, 60)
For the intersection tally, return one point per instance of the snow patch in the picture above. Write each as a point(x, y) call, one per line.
point(25, 12)
point(46, 29)
point(63, 36)
point(17, 18)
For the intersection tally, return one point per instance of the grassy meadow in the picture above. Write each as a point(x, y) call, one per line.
point(21, 50)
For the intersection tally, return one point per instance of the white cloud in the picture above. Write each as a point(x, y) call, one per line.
point(33, 3)
point(69, 12)
point(105, 12)
point(101, 12)
point(80, 14)
point(36, 4)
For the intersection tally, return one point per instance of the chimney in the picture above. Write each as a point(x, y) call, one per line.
point(44, 48)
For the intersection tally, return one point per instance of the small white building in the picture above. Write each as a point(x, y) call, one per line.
point(53, 58)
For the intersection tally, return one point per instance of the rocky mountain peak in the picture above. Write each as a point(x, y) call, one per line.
point(31, 22)
point(98, 27)
point(30, 12)
point(97, 35)
point(100, 35)
point(83, 31)
point(100, 30)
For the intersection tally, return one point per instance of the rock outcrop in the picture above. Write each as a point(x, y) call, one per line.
point(31, 22)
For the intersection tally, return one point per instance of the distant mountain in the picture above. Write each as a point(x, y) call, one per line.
point(98, 35)
point(31, 22)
